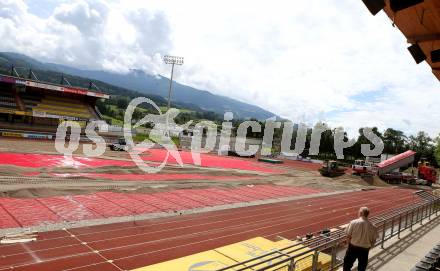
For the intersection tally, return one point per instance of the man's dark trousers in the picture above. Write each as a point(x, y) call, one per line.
point(353, 253)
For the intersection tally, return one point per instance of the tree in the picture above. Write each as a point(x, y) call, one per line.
point(437, 150)
point(356, 149)
point(103, 108)
point(394, 141)
point(122, 103)
point(420, 143)
point(424, 146)
point(326, 146)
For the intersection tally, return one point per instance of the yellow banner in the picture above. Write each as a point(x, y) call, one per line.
point(10, 134)
point(20, 113)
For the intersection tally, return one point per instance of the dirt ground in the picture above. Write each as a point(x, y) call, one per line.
point(41, 182)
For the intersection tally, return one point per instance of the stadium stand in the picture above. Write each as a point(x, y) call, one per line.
point(34, 106)
point(63, 107)
point(30, 100)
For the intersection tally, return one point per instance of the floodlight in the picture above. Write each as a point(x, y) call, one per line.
point(175, 60)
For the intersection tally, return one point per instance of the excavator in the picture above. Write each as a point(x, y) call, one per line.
point(332, 169)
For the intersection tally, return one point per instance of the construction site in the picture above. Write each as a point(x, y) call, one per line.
point(74, 212)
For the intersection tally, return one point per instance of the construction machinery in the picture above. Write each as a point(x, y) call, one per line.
point(394, 163)
point(361, 167)
point(400, 177)
point(426, 172)
point(388, 169)
point(332, 169)
point(121, 145)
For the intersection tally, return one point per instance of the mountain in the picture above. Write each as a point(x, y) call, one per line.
point(150, 85)
point(22, 64)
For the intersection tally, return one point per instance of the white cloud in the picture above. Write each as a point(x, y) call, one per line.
point(304, 60)
point(93, 34)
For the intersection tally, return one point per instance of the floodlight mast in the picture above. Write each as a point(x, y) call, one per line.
point(173, 60)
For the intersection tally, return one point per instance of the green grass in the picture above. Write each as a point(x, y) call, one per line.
point(142, 137)
point(182, 110)
point(113, 121)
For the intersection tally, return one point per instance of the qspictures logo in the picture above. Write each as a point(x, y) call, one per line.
point(205, 137)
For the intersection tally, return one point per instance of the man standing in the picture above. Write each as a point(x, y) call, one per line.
point(361, 235)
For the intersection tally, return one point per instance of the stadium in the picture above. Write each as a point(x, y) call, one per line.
point(228, 213)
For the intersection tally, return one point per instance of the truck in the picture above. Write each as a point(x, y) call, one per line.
point(361, 167)
point(426, 172)
point(399, 177)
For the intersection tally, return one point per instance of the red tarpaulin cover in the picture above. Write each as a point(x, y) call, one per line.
point(396, 158)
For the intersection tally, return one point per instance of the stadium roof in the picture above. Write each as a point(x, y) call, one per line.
point(53, 87)
point(419, 21)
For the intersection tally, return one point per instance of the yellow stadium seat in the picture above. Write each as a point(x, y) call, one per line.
point(63, 107)
point(243, 251)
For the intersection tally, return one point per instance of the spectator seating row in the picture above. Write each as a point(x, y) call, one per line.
point(7, 100)
point(431, 261)
point(63, 107)
point(40, 102)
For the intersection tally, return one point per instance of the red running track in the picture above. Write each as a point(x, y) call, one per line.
point(17, 212)
point(32, 160)
point(135, 244)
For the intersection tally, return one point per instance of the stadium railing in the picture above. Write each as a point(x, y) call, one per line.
point(295, 257)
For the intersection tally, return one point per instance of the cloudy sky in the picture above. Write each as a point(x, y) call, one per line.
point(308, 61)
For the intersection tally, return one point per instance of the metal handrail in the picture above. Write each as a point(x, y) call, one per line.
point(307, 243)
point(386, 222)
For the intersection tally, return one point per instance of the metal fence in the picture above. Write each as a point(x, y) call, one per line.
point(322, 253)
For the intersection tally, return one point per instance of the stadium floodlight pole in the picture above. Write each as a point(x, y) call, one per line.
point(173, 60)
